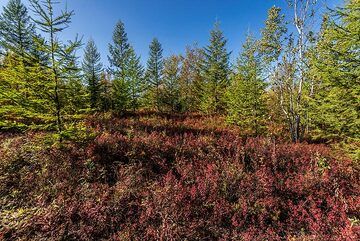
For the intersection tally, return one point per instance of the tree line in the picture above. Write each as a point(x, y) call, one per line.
point(293, 75)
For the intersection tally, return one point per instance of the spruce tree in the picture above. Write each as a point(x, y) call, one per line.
point(191, 79)
point(272, 37)
point(246, 95)
point(16, 28)
point(92, 69)
point(154, 74)
point(171, 92)
point(61, 55)
point(335, 65)
point(135, 80)
point(119, 58)
point(215, 72)
point(23, 99)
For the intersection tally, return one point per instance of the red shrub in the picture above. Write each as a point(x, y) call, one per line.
point(177, 178)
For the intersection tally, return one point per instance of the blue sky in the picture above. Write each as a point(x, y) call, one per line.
point(176, 23)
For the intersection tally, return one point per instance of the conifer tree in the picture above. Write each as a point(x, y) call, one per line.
point(135, 80)
point(272, 37)
point(16, 29)
point(23, 101)
point(171, 92)
point(191, 79)
point(23, 97)
point(246, 95)
point(61, 55)
point(92, 69)
point(335, 65)
point(215, 72)
point(119, 57)
point(154, 74)
point(105, 96)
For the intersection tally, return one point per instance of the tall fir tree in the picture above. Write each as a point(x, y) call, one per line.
point(246, 95)
point(16, 28)
point(105, 95)
point(92, 69)
point(172, 76)
point(154, 74)
point(135, 80)
point(335, 67)
point(22, 96)
point(216, 71)
point(61, 55)
point(271, 48)
point(191, 79)
point(119, 58)
point(272, 38)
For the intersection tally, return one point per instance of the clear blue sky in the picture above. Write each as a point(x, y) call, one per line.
point(176, 23)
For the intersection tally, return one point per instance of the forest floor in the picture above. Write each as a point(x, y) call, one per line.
point(173, 177)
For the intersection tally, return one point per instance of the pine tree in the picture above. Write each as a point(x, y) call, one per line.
point(16, 29)
point(154, 74)
point(92, 69)
point(271, 48)
point(272, 37)
point(23, 101)
point(215, 72)
point(105, 96)
point(335, 65)
point(246, 95)
point(61, 55)
point(171, 91)
point(23, 96)
point(191, 80)
point(119, 57)
point(135, 80)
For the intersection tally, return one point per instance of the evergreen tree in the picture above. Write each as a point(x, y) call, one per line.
point(154, 74)
point(23, 99)
point(135, 80)
point(215, 72)
point(171, 92)
point(335, 65)
point(191, 80)
point(23, 94)
point(246, 95)
point(105, 96)
point(119, 58)
point(16, 29)
point(75, 94)
point(272, 37)
point(92, 69)
point(61, 55)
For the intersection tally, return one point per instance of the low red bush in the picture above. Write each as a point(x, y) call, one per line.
point(176, 178)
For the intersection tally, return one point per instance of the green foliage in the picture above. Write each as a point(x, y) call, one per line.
point(215, 71)
point(270, 44)
point(171, 90)
point(246, 104)
point(154, 74)
point(62, 56)
point(127, 72)
point(16, 29)
point(135, 79)
point(92, 69)
point(119, 60)
point(24, 101)
point(335, 65)
point(191, 80)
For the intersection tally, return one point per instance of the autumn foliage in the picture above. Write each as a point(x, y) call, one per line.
point(182, 177)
